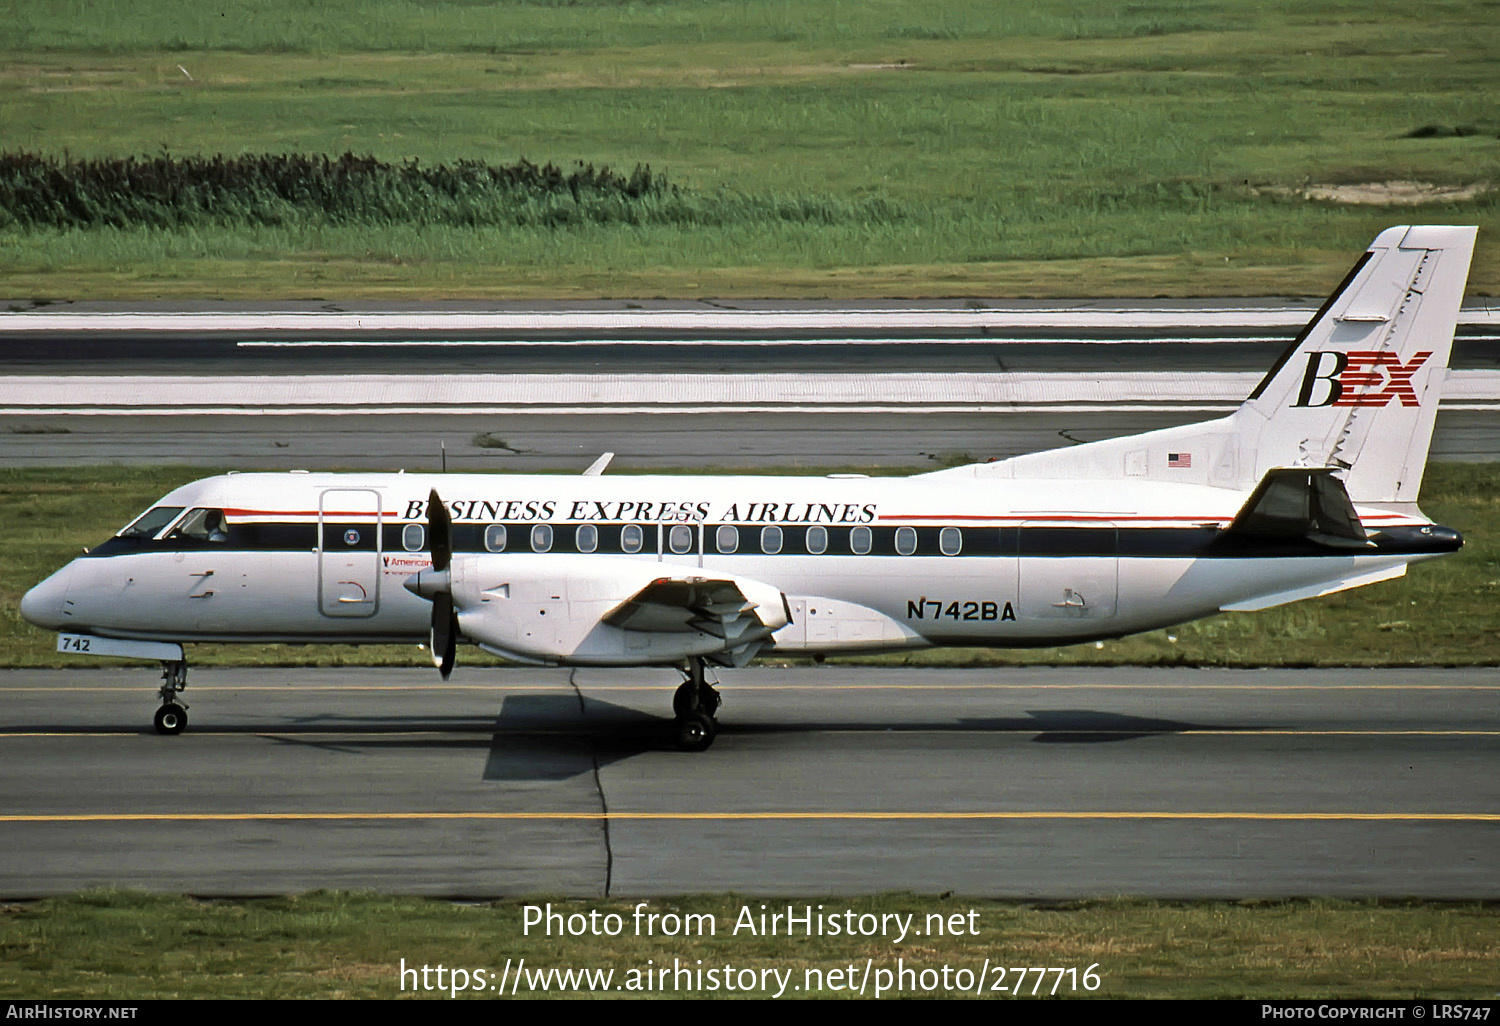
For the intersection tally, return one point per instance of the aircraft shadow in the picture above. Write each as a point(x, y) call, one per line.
point(1051, 726)
point(555, 737)
point(551, 738)
point(545, 738)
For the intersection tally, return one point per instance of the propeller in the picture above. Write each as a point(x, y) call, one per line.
point(439, 532)
point(444, 634)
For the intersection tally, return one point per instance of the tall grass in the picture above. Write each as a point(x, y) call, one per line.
point(272, 190)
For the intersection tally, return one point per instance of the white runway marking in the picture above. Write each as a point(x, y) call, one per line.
point(693, 320)
point(775, 343)
point(131, 395)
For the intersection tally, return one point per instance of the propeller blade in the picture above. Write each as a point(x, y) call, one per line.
point(444, 634)
point(439, 532)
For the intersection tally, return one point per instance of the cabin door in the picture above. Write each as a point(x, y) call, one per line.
point(349, 552)
point(1069, 571)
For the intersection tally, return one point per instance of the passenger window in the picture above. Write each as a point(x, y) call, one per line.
point(859, 540)
point(680, 538)
point(150, 523)
point(202, 525)
point(413, 537)
point(588, 538)
point(770, 540)
point(906, 541)
point(951, 541)
point(494, 538)
point(541, 538)
point(817, 540)
point(728, 538)
point(631, 538)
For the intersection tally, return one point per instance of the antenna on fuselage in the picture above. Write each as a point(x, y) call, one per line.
point(443, 445)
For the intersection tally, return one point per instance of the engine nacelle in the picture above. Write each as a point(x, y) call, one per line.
point(603, 610)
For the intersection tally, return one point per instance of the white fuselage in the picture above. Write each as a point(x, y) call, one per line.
point(860, 564)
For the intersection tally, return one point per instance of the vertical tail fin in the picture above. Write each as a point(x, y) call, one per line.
point(1356, 392)
point(1358, 389)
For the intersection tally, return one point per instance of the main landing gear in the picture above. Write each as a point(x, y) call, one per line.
point(696, 704)
point(171, 718)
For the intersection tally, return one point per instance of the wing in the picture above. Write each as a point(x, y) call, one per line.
point(603, 610)
point(714, 606)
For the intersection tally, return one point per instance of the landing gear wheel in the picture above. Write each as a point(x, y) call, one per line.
point(695, 732)
point(709, 702)
point(682, 699)
point(171, 719)
point(696, 694)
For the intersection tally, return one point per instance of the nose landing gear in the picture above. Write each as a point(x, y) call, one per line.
point(171, 718)
point(696, 704)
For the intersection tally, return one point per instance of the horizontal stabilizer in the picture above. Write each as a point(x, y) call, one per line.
point(1282, 598)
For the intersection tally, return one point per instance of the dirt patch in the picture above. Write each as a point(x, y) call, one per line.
point(1395, 194)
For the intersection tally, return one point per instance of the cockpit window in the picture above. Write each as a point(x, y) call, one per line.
point(202, 525)
point(149, 524)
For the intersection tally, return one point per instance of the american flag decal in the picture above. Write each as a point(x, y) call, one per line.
point(1179, 459)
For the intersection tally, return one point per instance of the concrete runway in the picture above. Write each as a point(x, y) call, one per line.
point(709, 342)
point(1021, 783)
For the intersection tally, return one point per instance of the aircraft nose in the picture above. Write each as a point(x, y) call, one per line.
point(43, 605)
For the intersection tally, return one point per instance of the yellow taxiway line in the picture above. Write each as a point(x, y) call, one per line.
point(491, 729)
point(230, 817)
point(667, 686)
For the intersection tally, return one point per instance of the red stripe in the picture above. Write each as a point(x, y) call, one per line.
point(1016, 517)
point(300, 513)
point(1085, 517)
point(1097, 517)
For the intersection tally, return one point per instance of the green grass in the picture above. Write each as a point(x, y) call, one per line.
point(127, 945)
point(275, 190)
point(403, 25)
point(1094, 149)
point(1440, 614)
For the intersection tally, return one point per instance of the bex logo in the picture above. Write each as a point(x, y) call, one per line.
point(1361, 377)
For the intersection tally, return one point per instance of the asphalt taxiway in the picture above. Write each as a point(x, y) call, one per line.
point(824, 780)
point(521, 443)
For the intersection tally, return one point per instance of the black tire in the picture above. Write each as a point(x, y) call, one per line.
point(695, 732)
point(708, 701)
point(171, 719)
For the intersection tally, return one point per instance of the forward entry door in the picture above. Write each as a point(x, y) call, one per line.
point(349, 552)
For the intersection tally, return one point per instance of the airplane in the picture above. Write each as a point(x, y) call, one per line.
point(1307, 489)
